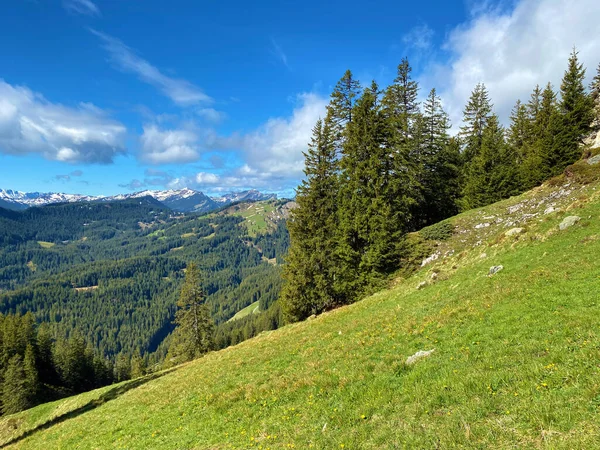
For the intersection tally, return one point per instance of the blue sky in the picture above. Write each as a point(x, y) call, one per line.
point(107, 96)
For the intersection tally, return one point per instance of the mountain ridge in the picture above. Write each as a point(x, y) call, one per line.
point(181, 200)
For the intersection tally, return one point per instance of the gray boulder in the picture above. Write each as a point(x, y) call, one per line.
point(418, 356)
point(569, 222)
point(514, 232)
point(494, 270)
point(594, 160)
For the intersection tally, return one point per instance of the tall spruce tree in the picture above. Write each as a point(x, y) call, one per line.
point(491, 174)
point(440, 165)
point(193, 334)
point(308, 273)
point(595, 94)
point(16, 394)
point(369, 236)
point(520, 139)
point(576, 117)
point(342, 100)
point(476, 115)
point(401, 136)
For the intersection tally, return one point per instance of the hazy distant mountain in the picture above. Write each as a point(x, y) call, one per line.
point(21, 200)
point(183, 200)
point(244, 196)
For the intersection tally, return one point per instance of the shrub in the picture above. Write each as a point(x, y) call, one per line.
point(438, 232)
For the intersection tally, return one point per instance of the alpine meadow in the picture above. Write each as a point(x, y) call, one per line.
point(409, 259)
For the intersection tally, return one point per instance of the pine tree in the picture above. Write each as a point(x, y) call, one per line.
point(576, 117)
point(193, 335)
point(402, 136)
point(138, 366)
point(491, 174)
point(308, 271)
point(476, 115)
point(595, 94)
point(368, 235)
point(122, 367)
point(31, 373)
point(16, 395)
point(440, 165)
point(520, 139)
point(339, 110)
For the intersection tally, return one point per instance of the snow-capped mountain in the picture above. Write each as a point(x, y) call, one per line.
point(23, 200)
point(245, 196)
point(183, 200)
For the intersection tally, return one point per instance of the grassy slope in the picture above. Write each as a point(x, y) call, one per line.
point(253, 308)
point(516, 362)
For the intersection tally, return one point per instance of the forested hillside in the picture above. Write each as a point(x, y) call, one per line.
point(110, 274)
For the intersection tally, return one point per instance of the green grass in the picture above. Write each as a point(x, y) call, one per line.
point(45, 244)
point(250, 309)
point(256, 216)
point(516, 363)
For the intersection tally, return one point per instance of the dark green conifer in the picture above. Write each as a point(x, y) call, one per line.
point(16, 394)
point(476, 114)
point(491, 175)
point(193, 335)
point(576, 117)
point(440, 165)
point(308, 272)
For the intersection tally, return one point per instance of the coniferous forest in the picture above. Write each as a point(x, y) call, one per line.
point(381, 164)
point(93, 293)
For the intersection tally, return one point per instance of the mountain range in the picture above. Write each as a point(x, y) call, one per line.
point(182, 200)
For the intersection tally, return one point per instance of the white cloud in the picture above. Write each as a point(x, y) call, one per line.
point(211, 114)
point(85, 7)
point(275, 149)
point(278, 52)
point(513, 51)
point(31, 124)
point(206, 178)
point(180, 91)
point(419, 37)
point(168, 146)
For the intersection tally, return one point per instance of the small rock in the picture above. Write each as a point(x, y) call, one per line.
point(312, 316)
point(549, 210)
point(418, 356)
point(569, 222)
point(434, 276)
point(514, 231)
point(421, 285)
point(482, 225)
point(483, 256)
point(431, 258)
point(594, 160)
point(494, 270)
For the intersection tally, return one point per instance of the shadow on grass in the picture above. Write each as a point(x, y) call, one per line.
point(111, 394)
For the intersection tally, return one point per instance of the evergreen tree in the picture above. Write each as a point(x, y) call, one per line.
point(339, 110)
point(122, 367)
point(576, 116)
point(491, 174)
point(440, 165)
point(595, 94)
point(16, 393)
point(402, 135)
point(193, 335)
point(476, 115)
point(368, 235)
point(308, 271)
point(138, 366)
point(31, 373)
point(520, 138)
